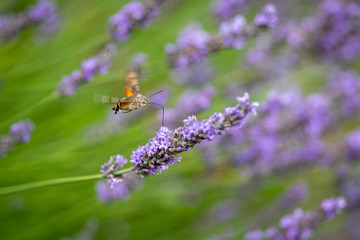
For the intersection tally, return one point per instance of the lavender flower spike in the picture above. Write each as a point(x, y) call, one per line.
point(98, 64)
point(43, 14)
point(162, 150)
point(19, 133)
point(300, 224)
point(133, 15)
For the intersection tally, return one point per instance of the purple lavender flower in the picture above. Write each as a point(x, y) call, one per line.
point(20, 132)
point(107, 194)
point(11, 25)
point(352, 145)
point(333, 206)
point(233, 32)
point(226, 9)
point(286, 135)
point(161, 151)
point(43, 14)
point(46, 13)
point(191, 47)
point(133, 15)
point(300, 224)
point(295, 194)
point(267, 17)
point(118, 187)
point(334, 29)
point(98, 64)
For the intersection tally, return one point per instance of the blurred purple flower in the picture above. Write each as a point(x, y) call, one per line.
point(332, 206)
point(295, 193)
point(133, 15)
point(334, 29)
point(267, 17)
point(352, 145)
point(301, 225)
point(20, 132)
point(98, 64)
point(191, 47)
point(43, 14)
point(254, 235)
point(226, 9)
point(233, 32)
point(107, 194)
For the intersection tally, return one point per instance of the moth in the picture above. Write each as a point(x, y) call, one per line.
point(133, 98)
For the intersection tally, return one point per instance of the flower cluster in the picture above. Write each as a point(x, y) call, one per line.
point(300, 224)
point(194, 45)
point(335, 30)
point(20, 132)
point(117, 186)
point(226, 9)
point(267, 17)
point(43, 13)
point(234, 32)
point(286, 134)
point(98, 64)
point(162, 150)
point(133, 15)
point(190, 102)
point(191, 47)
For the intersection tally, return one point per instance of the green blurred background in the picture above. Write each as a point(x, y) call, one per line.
point(177, 204)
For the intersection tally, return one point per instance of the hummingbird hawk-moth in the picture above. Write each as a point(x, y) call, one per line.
point(133, 98)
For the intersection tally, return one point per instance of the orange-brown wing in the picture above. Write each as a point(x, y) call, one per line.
point(105, 99)
point(131, 82)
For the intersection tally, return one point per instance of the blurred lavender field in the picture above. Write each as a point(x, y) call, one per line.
point(280, 164)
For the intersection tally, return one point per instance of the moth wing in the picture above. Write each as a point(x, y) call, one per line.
point(105, 99)
point(131, 82)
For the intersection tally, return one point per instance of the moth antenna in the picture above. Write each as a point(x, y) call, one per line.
point(155, 93)
point(163, 110)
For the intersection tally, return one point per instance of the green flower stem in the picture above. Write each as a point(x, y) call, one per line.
point(51, 182)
